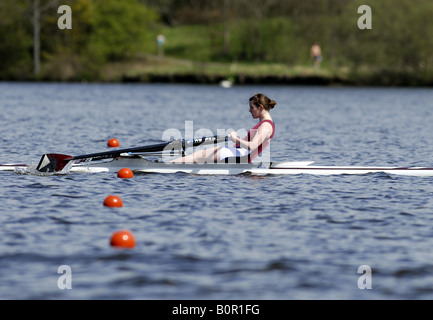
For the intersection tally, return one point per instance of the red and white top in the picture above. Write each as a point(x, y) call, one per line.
point(251, 133)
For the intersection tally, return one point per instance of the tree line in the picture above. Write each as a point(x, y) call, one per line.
point(271, 31)
point(102, 31)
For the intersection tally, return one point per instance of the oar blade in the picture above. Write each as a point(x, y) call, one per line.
point(53, 162)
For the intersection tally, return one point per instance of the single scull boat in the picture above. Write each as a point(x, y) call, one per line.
point(142, 159)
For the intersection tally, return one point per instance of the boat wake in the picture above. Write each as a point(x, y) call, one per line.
point(30, 169)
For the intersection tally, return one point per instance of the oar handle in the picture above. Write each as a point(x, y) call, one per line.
point(205, 140)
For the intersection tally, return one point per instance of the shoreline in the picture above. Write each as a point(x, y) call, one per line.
point(154, 69)
point(236, 79)
point(239, 80)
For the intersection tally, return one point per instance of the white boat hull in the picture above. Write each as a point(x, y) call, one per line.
point(325, 171)
point(281, 168)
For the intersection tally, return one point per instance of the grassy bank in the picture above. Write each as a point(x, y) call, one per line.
point(188, 58)
point(194, 54)
point(148, 68)
point(163, 69)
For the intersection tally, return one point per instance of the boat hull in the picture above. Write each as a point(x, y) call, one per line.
point(141, 165)
point(326, 171)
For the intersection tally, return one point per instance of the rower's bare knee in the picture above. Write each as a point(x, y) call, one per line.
point(209, 155)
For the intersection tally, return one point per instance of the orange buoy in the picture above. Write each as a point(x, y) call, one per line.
point(113, 143)
point(122, 238)
point(113, 201)
point(125, 173)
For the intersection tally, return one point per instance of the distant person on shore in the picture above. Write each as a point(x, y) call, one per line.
point(247, 148)
point(316, 55)
point(160, 41)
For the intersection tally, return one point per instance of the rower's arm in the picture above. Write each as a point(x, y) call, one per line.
point(263, 132)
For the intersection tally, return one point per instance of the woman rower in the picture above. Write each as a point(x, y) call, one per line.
point(248, 148)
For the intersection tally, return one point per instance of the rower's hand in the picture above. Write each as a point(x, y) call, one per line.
point(233, 136)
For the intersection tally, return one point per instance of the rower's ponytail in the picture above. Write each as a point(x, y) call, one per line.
point(259, 99)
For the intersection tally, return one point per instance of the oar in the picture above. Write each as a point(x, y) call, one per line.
point(54, 162)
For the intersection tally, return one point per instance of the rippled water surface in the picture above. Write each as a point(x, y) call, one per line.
point(217, 237)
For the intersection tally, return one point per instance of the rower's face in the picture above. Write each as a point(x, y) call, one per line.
point(255, 111)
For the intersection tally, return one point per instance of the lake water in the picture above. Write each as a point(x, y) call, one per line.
point(218, 237)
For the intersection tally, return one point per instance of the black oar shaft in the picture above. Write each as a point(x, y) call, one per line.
point(117, 153)
point(175, 144)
